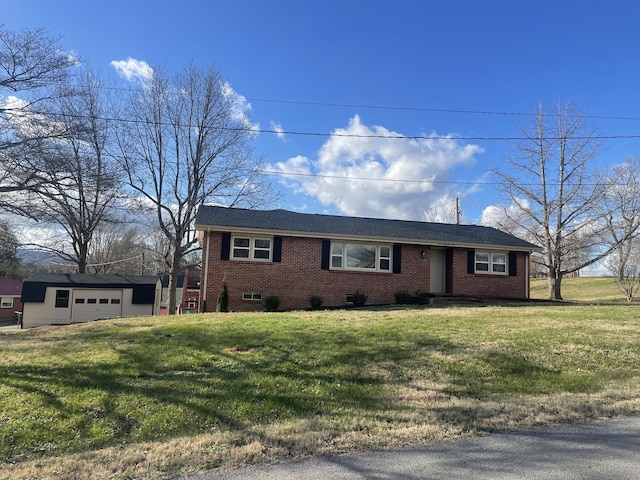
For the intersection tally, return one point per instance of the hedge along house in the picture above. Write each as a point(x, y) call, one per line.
point(51, 299)
point(295, 255)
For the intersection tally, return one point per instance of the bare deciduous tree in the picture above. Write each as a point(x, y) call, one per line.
point(32, 68)
point(81, 178)
point(445, 210)
point(554, 191)
point(9, 262)
point(627, 270)
point(185, 144)
point(620, 213)
point(117, 248)
point(31, 60)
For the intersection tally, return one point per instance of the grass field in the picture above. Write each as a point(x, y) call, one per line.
point(583, 290)
point(157, 397)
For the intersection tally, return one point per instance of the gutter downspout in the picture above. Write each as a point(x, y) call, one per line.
point(528, 278)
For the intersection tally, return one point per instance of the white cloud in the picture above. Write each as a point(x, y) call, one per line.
point(277, 128)
point(495, 215)
point(240, 107)
point(72, 58)
point(19, 116)
point(508, 218)
point(409, 173)
point(14, 108)
point(133, 70)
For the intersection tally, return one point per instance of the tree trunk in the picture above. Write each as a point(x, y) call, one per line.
point(174, 273)
point(555, 282)
point(82, 259)
point(171, 301)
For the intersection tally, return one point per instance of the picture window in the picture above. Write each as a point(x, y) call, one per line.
point(361, 256)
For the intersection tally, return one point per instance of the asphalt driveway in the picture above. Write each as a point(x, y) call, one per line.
point(602, 450)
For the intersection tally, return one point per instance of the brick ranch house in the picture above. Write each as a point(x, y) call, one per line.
point(295, 255)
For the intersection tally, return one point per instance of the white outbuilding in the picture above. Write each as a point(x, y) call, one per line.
point(57, 299)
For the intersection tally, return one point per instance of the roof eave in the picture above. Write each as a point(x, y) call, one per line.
point(367, 238)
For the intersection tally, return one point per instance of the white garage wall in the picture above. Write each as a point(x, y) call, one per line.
point(46, 313)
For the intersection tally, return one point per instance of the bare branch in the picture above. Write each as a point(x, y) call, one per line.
point(554, 193)
point(184, 148)
point(33, 67)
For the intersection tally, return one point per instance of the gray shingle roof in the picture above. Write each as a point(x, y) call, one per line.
point(89, 279)
point(291, 223)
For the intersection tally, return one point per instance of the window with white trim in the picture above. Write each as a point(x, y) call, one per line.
point(360, 256)
point(252, 296)
point(491, 262)
point(62, 298)
point(6, 302)
point(251, 248)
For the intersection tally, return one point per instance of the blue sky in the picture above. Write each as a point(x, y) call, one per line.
point(410, 69)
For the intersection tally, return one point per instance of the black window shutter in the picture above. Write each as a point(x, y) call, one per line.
point(277, 249)
point(397, 258)
point(326, 250)
point(226, 246)
point(513, 261)
point(471, 261)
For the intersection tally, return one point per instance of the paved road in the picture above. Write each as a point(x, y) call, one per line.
point(604, 450)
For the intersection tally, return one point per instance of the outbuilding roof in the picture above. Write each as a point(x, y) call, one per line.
point(10, 287)
point(284, 222)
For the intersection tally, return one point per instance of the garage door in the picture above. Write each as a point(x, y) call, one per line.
point(91, 305)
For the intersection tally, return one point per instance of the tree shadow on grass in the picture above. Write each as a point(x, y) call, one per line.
point(168, 382)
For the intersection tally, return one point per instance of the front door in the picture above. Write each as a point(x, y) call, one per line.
point(438, 269)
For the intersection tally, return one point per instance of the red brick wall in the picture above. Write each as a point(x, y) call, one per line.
point(10, 313)
point(299, 275)
point(487, 285)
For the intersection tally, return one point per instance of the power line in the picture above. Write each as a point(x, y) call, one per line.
point(254, 130)
point(113, 262)
point(401, 180)
point(405, 108)
point(432, 109)
point(440, 137)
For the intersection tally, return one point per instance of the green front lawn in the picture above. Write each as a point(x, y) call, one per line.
point(285, 385)
point(583, 289)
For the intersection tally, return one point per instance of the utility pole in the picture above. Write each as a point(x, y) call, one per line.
point(457, 211)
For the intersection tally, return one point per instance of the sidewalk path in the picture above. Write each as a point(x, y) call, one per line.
point(602, 450)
